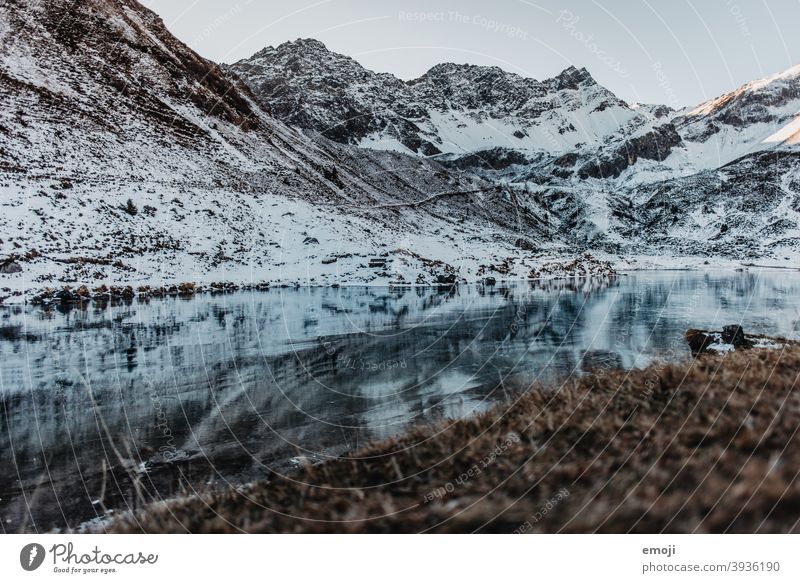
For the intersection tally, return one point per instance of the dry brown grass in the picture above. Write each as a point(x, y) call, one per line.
point(711, 446)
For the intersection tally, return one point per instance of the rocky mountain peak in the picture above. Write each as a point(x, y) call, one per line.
point(474, 87)
point(450, 108)
point(306, 44)
point(307, 50)
point(573, 78)
point(306, 58)
point(461, 71)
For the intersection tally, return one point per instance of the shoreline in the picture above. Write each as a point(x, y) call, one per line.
point(106, 293)
point(599, 453)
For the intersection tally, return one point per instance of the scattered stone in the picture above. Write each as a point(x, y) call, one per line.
point(446, 279)
point(43, 297)
point(125, 292)
point(66, 296)
point(375, 262)
point(524, 244)
point(503, 268)
point(584, 266)
point(10, 266)
point(223, 287)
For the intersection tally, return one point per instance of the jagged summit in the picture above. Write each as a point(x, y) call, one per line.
point(304, 43)
point(569, 132)
point(458, 109)
point(772, 100)
point(573, 77)
point(452, 108)
point(759, 115)
point(463, 70)
point(307, 50)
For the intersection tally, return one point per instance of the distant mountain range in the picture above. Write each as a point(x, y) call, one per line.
point(719, 178)
point(299, 165)
point(462, 109)
point(453, 109)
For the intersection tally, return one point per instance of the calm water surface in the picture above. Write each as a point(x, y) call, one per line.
point(106, 408)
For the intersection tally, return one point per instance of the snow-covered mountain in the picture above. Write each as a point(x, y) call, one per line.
point(452, 109)
point(127, 158)
point(466, 109)
point(759, 115)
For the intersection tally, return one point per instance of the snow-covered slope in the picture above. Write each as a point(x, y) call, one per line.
point(748, 208)
point(759, 115)
point(762, 115)
point(100, 89)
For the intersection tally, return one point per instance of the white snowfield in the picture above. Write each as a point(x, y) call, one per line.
point(215, 235)
point(127, 159)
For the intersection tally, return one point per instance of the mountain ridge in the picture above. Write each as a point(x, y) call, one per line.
point(473, 94)
point(315, 89)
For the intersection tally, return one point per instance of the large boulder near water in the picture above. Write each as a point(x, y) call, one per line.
point(732, 337)
point(66, 296)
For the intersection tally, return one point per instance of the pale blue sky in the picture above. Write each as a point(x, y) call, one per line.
point(678, 52)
